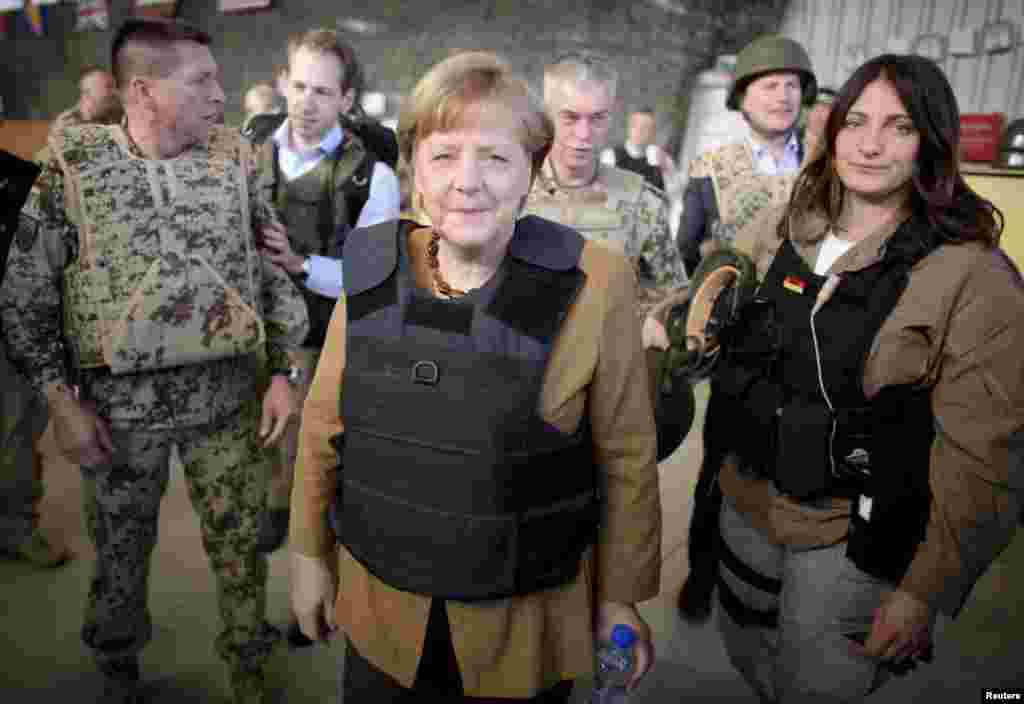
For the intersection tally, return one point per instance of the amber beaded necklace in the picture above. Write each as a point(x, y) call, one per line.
point(442, 286)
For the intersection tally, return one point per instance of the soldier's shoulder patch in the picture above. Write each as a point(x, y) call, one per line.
point(28, 232)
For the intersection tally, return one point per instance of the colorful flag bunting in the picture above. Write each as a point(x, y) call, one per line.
point(35, 17)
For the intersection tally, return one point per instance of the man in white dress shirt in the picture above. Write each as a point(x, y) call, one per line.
point(328, 183)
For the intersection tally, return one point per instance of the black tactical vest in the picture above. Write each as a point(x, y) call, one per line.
point(451, 484)
point(772, 385)
point(315, 210)
point(652, 174)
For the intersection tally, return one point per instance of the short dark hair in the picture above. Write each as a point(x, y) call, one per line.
point(643, 110)
point(155, 35)
point(939, 193)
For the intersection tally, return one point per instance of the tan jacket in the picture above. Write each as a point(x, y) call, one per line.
point(513, 647)
point(958, 330)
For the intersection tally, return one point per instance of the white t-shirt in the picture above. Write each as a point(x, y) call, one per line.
point(831, 249)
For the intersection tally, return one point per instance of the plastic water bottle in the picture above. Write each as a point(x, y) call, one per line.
point(615, 662)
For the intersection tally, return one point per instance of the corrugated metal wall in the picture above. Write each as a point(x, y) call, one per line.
point(839, 34)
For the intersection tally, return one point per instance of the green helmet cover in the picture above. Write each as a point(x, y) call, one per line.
point(772, 53)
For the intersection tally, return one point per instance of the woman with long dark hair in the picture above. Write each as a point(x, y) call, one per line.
point(876, 379)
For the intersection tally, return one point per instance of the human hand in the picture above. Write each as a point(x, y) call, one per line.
point(653, 334)
point(278, 408)
point(278, 247)
point(314, 589)
point(708, 246)
point(610, 613)
point(901, 629)
point(81, 435)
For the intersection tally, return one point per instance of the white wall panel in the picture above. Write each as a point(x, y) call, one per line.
point(834, 31)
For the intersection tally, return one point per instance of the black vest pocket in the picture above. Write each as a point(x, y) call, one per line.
point(405, 539)
point(802, 463)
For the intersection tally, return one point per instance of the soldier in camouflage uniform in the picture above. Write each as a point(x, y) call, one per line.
point(601, 202)
point(730, 184)
point(98, 101)
point(138, 302)
point(22, 410)
point(612, 205)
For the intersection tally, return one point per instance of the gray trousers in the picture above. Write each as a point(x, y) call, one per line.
point(818, 596)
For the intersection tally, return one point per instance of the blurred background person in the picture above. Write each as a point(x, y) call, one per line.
point(640, 152)
point(260, 103)
point(98, 101)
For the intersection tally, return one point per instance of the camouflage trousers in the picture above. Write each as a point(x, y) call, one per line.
point(21, 423)
point(21, 489)
point(226, 473)
point(280, 492)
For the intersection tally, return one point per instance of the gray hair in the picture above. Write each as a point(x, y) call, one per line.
point(578, 66)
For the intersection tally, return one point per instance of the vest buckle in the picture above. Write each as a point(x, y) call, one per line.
point(426, 372)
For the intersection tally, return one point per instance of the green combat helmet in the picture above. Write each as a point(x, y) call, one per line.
point(724, 281)
point(768, 54)
point(694, 320)
point(675, 404)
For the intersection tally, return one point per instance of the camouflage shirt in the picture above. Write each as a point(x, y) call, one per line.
point(623, 210)
point(71, 117)
point(47, 244)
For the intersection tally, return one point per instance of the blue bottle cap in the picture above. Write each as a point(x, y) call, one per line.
point(623, 636)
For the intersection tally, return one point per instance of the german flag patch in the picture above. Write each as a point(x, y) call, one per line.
point(793, 284)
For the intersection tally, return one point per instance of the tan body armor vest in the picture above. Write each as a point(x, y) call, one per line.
point(740, 192)
point(167, 273)
point(604, 212)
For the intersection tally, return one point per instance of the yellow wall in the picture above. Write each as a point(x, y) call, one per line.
point(1005, 188)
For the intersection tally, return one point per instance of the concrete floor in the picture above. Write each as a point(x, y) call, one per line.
point(42, 659)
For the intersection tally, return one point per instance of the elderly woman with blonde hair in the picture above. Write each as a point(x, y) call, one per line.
point(479, 430)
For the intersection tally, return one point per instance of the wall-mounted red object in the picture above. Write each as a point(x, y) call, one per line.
point(980, 135)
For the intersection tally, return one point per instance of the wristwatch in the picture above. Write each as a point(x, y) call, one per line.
point(292, 374)
point(307, 267)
